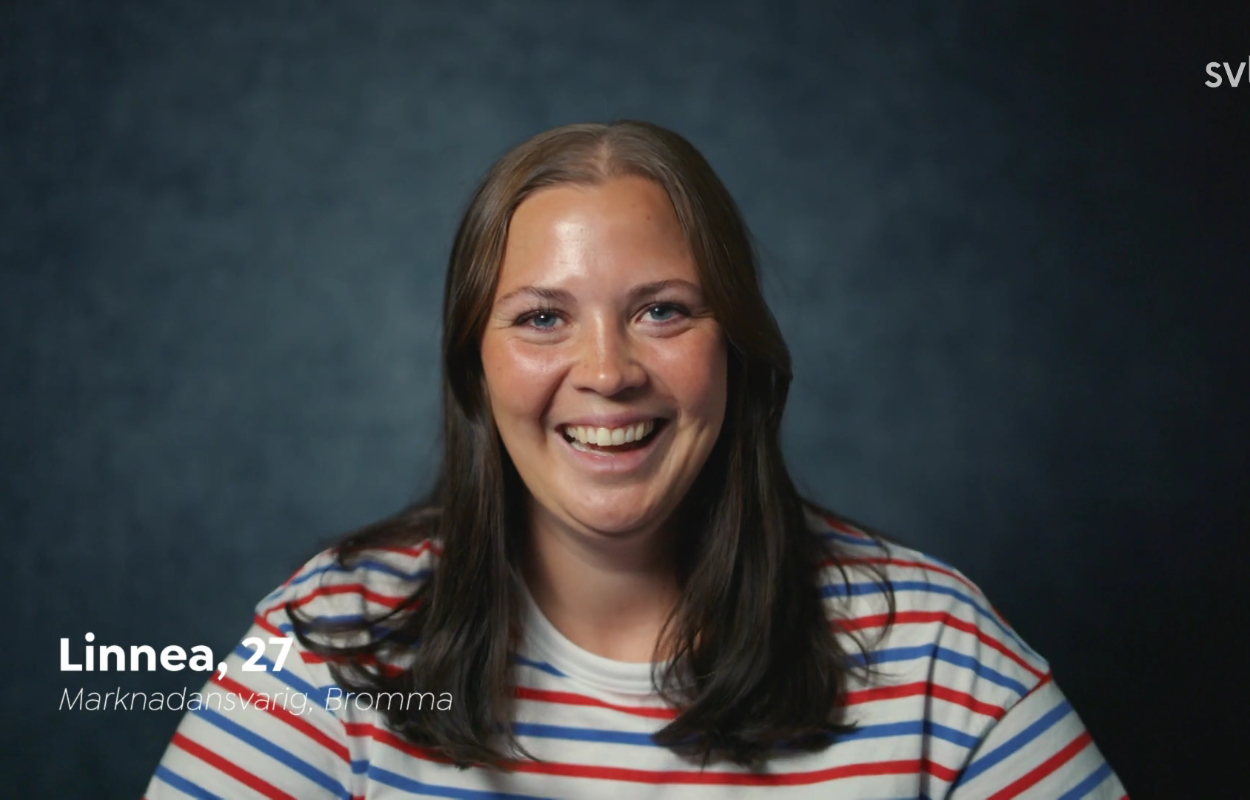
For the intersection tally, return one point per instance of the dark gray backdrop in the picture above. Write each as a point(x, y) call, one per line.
point(1007, 244)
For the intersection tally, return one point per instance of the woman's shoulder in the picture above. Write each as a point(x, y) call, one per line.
point(335, 588)
point(920, 605)
point(863, 564)
point(858, 557)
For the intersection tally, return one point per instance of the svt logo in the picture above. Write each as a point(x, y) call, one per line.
point(1234, 78)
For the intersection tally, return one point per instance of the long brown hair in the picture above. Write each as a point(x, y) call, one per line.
point(755, 662)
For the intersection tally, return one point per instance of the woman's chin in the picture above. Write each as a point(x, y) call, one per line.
point(617, 528)
point(616, 522)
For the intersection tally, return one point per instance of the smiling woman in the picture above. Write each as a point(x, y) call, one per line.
point(614, 583)
point(601, 327)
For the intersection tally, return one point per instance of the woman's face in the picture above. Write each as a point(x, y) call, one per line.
point(606, 373)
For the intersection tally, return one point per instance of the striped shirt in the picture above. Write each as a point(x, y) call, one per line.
point(960, 707)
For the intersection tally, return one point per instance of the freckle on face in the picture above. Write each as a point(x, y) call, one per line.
point(600, 351)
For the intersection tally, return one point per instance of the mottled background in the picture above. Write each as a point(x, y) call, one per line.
point(1007, 244)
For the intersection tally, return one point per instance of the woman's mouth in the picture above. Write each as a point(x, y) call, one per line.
point(612, 440)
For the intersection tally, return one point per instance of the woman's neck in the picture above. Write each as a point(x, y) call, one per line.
point(609, 595)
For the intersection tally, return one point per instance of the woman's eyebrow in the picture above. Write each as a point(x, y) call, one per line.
point(539, 292)
point(651, 289)
point(563, 297)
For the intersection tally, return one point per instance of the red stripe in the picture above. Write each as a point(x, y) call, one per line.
point(861, 697)
point(294, 720)
point(364, 730)
point(229, 768)
point(389, 601)
point(950, 620)
point(571, 699)
point(845, 527)
point(1047, 767)
point(927, 689)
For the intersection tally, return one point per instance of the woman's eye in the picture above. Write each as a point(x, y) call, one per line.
point(541, 319)
point(662, 312)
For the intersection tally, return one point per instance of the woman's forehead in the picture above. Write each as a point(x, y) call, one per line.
point(623, 231)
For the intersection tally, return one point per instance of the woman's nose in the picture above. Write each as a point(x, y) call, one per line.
point(607, 362)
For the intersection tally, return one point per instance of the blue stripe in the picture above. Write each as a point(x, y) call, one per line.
point(389, 778)
point(884, 730)
point(273, 751)
point(843, 590)
point(541, 665)
point(365, 565)
point(911, 728)
point(881, 731)
point(1015, 743)
point(582, 734)
point(183, 785)
point(893, 654)
point(951, 734)
point(1086, 786)
point(330, 619)
point(368, 566)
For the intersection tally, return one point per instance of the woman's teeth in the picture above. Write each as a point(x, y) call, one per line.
point(605, 437)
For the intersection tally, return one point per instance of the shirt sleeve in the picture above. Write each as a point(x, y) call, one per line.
point(1038, 749)
point(259, 731)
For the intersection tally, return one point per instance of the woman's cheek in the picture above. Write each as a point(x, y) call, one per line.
point(695, 365)
point(529, 375)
